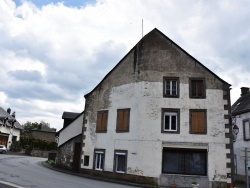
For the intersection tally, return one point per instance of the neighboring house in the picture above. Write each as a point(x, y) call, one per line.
point(44, 133)
point(159, 117)
point(10, 128)
point(241, 118)
point(69, 140)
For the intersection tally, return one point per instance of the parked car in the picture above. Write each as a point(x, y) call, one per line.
point(3, 149)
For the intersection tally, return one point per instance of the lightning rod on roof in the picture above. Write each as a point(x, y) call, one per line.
point(142, 28)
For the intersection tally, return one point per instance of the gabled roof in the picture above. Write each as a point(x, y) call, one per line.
point(70, 115)
point(3, 113)
point(242, 105)
point(173, 43)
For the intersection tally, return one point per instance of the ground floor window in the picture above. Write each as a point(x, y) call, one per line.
point(120, 161)
point(184, 161)
point(99, 159)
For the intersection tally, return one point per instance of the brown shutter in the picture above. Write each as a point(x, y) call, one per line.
point(104, 121)
point(198, 122)
point(194, 122)
point(120, 120)
point(125, 120)
point(201, 122)
point(99, 121)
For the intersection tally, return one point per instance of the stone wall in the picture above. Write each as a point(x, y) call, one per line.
point(65, 153)
point(48, 136)
point(41, 153)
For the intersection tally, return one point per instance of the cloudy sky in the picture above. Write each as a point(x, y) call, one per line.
point(52, 52)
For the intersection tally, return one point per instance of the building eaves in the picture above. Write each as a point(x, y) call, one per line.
point(242, 105)
point(70, 115)
point(3, 113)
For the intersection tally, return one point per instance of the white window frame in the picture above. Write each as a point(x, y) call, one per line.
point(171, 87)
point(101, 160)
point(170, 114)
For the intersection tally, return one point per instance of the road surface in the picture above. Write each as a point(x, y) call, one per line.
point(27, 172)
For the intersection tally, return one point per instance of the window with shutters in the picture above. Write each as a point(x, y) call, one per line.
point(170, 120)
point(197, 88)
point(246, 130)
point(99, 157)
point(122, 124)
point(170, 87)
point(120, 161)
point(102, 120)
point(198, 121)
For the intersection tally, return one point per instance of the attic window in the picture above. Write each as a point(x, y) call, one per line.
point(197, 88)
point(170, 87)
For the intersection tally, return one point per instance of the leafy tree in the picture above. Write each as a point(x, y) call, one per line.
point(29, 126)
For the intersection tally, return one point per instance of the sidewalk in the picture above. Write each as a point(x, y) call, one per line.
point(47, 165)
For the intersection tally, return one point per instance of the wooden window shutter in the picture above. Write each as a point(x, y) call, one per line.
point(123, 120)
point(102, 117)
point(104, 121)
point(198, 122)
point(99, 121)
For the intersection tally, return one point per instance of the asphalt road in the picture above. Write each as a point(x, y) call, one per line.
point(27, 172)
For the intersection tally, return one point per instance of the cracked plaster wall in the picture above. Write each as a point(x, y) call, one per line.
point(137, 83)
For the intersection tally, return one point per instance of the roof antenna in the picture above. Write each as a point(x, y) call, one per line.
point(142, 27)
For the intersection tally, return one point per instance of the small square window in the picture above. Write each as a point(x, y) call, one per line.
point(197, 88)
point(86, 160)
point(170, 87)
point(120, 161)
point(170, 120)
point(99, 159)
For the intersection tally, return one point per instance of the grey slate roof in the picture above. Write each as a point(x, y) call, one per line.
point(44, 129)
point(242, 105)
point(3, 113)
point(70, 115)
point(57, 133)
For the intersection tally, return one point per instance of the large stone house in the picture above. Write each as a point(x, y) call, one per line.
point(69, 140)
point(241, 118)
point(159, 117)
point(10, 128)
point(44, 132)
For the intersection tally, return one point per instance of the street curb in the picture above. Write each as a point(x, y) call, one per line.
point(46, 165)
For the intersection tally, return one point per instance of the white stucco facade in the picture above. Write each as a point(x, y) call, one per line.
point(10, 132)
point(71, 131)
point(137, 84)
point(144, 141)
point(240, 144)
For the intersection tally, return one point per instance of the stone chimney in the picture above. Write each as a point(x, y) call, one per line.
point(244, 90)
point(9, 110)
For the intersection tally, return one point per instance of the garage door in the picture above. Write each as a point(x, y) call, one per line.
point(3, 140)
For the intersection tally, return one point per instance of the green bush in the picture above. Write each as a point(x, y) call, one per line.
point(32, 143)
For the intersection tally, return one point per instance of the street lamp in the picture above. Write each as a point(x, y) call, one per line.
point(235, 129)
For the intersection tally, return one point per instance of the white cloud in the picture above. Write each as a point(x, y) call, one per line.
point(70, 49)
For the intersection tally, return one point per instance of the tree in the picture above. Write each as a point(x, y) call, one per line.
point(29, 126)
